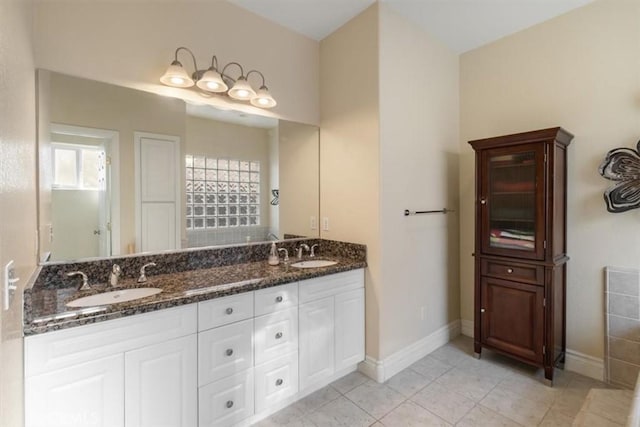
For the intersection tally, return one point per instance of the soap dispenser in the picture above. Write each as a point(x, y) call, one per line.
point(273, 255)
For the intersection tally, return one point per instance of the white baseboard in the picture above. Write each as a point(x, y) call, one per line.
point(584, 364)
point(575, 361)
point(467, 328)
point(382, 370)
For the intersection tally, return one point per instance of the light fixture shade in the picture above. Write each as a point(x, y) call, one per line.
point(242, 90)
point(263, 99)
point(211, 81)
point(176, 76)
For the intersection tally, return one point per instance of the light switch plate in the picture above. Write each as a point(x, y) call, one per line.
point(9, 284)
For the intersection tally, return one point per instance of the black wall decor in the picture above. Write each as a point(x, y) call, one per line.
point(622, 165)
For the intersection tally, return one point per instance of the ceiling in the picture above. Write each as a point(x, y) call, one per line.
point(461, 24)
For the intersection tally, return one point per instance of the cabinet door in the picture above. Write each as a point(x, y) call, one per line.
point(226, 402)
point(275, 381)
point(85, 395)
point(512, 201)
point(349, 328)
point(513, 317)
point(275, 335)
point(161, 384)
point(224, 351)
point(316, 341)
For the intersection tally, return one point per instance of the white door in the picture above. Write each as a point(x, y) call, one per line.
point(86, 395)
point(316, 328)
point(158, 183)
point(349, 328)
point(161, 384)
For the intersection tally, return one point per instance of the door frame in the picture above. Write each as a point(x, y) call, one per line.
point(112, 149)
point(137, 138)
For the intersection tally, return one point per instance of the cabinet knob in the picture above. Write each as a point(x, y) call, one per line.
point(229, 403)
point(279, 335)
point(229, 310)
point(482, 310)
point(279, 382)
point(229, 352)
point(483, 201)
point(279, 298)
point(509, 270)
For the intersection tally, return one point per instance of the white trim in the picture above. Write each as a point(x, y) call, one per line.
point(467, 328)
point(382, 370)
point(583, 364)
point(112, 138)
point(137, 136)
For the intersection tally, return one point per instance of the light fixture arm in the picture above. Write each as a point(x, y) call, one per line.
point(257, 72)
point(233, 63)
point(214, 63)
point(193, 57)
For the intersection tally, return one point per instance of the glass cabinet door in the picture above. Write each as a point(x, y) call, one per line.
point(512, 201)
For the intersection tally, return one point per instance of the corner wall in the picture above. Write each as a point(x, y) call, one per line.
point(17, 191)
point(580, 71)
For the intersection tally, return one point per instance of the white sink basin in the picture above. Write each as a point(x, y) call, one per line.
point(315, 263)
point(113, 297)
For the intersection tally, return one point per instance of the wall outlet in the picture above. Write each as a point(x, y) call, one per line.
point(325, 223)
point(9, 284)
point(313, 222)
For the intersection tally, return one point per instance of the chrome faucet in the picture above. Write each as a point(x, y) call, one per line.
point(85, 283)
point(286, 254)
point(115, 274)
point(313, 250)
point(303, 246)
point(143, 275)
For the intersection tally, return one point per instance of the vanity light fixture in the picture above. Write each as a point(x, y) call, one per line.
point(214, 81)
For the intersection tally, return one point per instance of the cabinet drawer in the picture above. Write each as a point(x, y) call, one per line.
point(321, 287)
point(508, 271)
point(224, 351)
point(276, 298)
point(226, 402)
point(276, 380)
point(276, 334)
point(68, 347)
point(222, 311)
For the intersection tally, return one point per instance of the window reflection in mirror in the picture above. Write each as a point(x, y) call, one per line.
point(231, 164)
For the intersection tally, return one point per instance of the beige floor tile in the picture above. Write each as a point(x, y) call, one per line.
point(376, 399)
point(349, 382)
point(340, 412)
point(531, 388)
point(470, 385)
point(411, 415)
point(569, 403)
point(480, 416)
point(430, 368)
point(513, 406)
point(289, 416)
point(443, 402)
point(408, 382)
point(491, 365)
point(316, 399)
point(613, 405)
point(454, 353)
point(555, 418)
point(587, 419)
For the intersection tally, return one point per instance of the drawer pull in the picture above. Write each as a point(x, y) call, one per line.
point(229, 352)
point(279, 382)
point(482, 310)
point(279, 298)
point(229, 310)
point(509, 270)
point(483, 201)
point(229, 403)
point(279, 335)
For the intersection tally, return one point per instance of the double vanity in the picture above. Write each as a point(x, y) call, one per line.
point(227, 340)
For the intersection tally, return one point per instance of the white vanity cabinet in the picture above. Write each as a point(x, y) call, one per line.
point(331, 327)
point(133, 371)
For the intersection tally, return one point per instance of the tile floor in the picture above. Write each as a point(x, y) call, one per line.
point(450, 387)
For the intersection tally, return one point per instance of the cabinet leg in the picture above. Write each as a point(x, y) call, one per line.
point(477, 350)
point(476, 355)
point(548, 376)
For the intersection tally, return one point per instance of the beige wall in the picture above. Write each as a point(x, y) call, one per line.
point(230, 141)
point(420, 290)
point(298, 178)
point(132, 44)
point(88, 103)
point(349, 149)
point(17, 191)
point(580, 71)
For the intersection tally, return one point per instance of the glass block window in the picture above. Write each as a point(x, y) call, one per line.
point(222, 193)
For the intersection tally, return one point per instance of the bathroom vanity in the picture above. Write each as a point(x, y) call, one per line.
point(220, 346)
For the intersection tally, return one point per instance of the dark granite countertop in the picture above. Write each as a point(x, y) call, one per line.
point(45, 306)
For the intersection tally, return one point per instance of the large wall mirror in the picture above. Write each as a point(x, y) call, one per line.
point(124, 171)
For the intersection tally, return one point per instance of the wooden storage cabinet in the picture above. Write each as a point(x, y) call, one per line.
point(520, 246)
